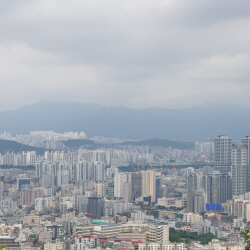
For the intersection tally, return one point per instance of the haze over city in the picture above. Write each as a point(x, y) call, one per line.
point(124, 125)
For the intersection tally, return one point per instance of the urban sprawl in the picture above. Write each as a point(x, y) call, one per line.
point(118, 196)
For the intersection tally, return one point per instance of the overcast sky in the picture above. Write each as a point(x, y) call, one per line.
point(138, 53)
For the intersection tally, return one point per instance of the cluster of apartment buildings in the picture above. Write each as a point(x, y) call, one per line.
point(81, 199)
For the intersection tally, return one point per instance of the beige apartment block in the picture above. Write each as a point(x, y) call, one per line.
point(149, 183)
point(53, 246)
point(31, 219)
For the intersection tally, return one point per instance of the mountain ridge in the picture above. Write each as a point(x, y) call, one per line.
point(95, 120)
point(17, 147)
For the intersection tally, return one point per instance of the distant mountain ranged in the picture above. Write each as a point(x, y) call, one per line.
point(172, 124)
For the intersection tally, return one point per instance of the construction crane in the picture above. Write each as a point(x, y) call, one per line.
point(174, 167)
point(215, 199)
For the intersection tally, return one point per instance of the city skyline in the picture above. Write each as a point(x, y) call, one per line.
point(124, 125)
point(123, 196)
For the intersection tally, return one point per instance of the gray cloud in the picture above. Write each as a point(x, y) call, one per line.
point(125, 53)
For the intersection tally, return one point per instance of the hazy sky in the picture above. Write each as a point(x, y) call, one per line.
point(136, 53)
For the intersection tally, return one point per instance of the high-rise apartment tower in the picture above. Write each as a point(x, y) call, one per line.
point(222, 154)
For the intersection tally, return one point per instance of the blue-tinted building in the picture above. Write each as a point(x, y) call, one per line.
point(157, 189)
point(211, 206)
point(21, 182)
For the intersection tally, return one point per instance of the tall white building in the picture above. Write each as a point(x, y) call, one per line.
point(31, 158)
point(62, 177)
point(81, 173)
point(137, 216)
point(222, 154)
point(98, 171)
point(40, 204)
point(121, 190)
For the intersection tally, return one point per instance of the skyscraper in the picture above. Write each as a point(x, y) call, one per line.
point(94, 207)
point(98, 171)
point(239, 168)
point(121, 190)
point(246, 141)
point(62, 177)
point(81, 172)
point(157, 189)
point(222, 154)
point(196, 201)
point(137, 184)
point(192, 182)
point(149, 184)
point(210, 184)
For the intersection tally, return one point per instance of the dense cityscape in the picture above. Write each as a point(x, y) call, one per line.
point(124, 125)
point(119, 196)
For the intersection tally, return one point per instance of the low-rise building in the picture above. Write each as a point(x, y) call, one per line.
point(156, 246)
point(192, 218)
point(31, 219)
point(54, 246)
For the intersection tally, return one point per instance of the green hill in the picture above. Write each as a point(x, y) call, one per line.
point(16, 147)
